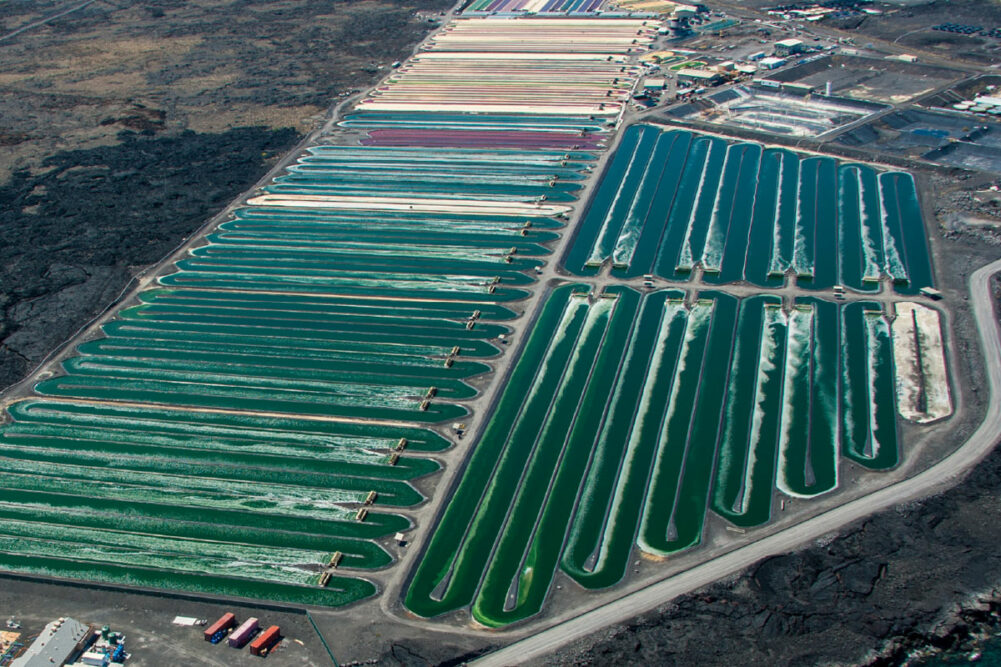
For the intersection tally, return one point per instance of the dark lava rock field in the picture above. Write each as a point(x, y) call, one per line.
point(78, 229)
point(124, 127)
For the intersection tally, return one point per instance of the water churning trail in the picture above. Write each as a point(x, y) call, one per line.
point(742, 212)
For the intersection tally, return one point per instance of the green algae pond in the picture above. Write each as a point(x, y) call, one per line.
point(629, 417)
point(262, 413)
point(458, 173)
point(671, 200)
point(274, 402)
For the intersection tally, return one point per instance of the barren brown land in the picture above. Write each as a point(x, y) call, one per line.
point(125, 126)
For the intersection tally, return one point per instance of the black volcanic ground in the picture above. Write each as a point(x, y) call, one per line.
point(124, 128)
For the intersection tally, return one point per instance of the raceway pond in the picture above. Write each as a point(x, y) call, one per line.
point(223, 432)
point(629, 416)
point(266, 408)
point(671, 200)
point(536, 6)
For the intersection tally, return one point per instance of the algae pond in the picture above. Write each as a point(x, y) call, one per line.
point(672, 200)
point(251, 425)
point(630, 416)
point(266, 414)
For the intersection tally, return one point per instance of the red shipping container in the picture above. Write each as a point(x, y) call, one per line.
point(266, 640)
point(227, 621)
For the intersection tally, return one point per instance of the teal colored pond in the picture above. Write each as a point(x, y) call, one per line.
point(629, 417)
point(673, 200)
point(268, 405)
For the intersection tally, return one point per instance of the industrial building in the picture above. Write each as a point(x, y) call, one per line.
point(684, 11)
point(703, 77)
point(788, 47)
point(59, 642)
point(797, 88)
point(772, 63)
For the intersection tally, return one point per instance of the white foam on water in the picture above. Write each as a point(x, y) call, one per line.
point(415, 356)
point(801, 263)
point(446, 282)
point(825, 395)
point(547, 367)
point(320, 227)
point(229, 386)
point(388, 249)
point(112, 490)
point(796, 363)
point(772, 326)
point(379, 156)
point(284, 429)
point(602, 247)
point(595, 323)
point(777, 263)
point(597, 314)
point(870, 246)
point(632, 226)
point(687, 259)
point(878, 335)
point(848, 414)
point(698, 320)
point(263, 562)
point(712, 251)
point(673, 311)
point(180, 484)
point(574, 303)
point(891, 254)
point(353, 452)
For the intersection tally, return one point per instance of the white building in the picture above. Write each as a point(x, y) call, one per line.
point(59, 642)
point(684, 11)
point(772, 63)
point(787, 47)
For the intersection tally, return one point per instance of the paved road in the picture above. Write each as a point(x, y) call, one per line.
point(937, 478)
